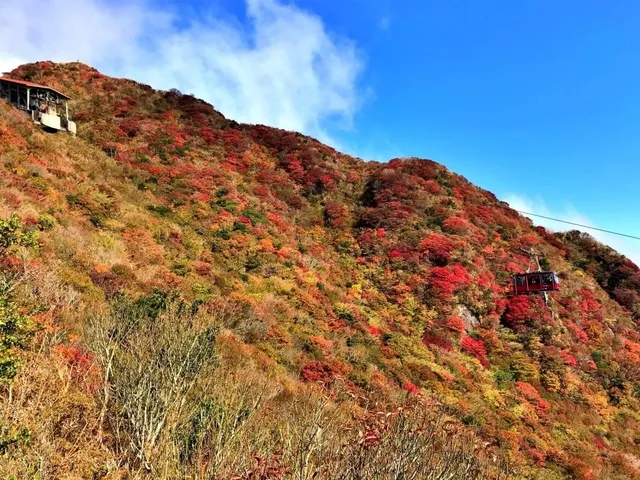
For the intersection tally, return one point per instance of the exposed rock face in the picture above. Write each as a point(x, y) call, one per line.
point(469, 319)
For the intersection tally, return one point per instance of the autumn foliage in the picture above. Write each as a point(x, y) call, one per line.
point(268, 283)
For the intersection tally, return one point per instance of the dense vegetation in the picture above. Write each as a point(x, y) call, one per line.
point(615, 273)
point(183, 296)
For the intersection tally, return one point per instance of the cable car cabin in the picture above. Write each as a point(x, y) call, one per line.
point(43, 104)
point(535, 282)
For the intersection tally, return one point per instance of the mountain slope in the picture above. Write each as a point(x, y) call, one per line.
point(358, 281)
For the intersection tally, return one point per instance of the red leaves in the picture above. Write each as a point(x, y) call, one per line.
point(431, 338)
point(528, 241)
point(475, 348)
point(236, 164)
point(456, 324)
point(202, 268)
point(437, 247)
point(78, 360)
point(578, 469)
point(318, 372)
point(528, 391)
point(542, 408)
point(579, 334)
point(81, 365)
point(294, 167)
point(261, 191)
point(10, 137)
point(628, 298)
point(518, 312)
point(512, 267)
point(551, 239)
point(569, 359)
point(599, 442)
point(201, 197)
point(210, 136)
point(335, 214)
point(411, 388)
point(532, 396)
point(324, 344)
point(232, 138)
point(320, 180)
point(456, 225)
point(537, 456)
point(375, 331)
point(589, 305)
point(433, 187)
point(395, 254)
point(407, 269)
point(130, 127)
point(278, 221)
point(447, 280)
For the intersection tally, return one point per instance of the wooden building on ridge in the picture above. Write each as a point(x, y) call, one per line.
point(44, 105)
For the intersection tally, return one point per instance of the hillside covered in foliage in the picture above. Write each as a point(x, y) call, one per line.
point(183, 296)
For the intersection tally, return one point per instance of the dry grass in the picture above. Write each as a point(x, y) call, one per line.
point(53, 422)
point(160, 407)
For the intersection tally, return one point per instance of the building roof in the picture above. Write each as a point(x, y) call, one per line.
point(33, 85)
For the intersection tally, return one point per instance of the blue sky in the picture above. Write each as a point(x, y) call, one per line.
point(537, 101)
point(526, 98)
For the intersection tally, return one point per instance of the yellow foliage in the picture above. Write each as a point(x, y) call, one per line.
point(113, 225)
point(81, 282)
point(524, 368)
point(493, 396)
point(519, 410)
point(600, 403)
point(564, 433)
point(551, 381)
point(309, 278)
point(105, 248)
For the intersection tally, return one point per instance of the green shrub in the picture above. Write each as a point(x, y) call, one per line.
point(239, 227)
point(254, 215)
point(15, 331)
point(46, 222)
point(13, 233)
point(223, 234)
point(9, 437)
point(16, 328)
point(181, 268)
point(162, 210)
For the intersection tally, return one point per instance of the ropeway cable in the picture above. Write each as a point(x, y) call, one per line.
point(579, 225)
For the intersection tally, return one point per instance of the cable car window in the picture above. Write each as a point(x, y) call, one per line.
point(520, 281)
point(547, 278)
point(534, 280)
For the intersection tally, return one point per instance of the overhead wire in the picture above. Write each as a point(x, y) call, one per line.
point(579, 225)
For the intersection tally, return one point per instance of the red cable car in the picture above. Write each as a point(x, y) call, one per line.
point(535, 282)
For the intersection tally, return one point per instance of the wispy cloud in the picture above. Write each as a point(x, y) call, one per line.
point(378, 147)
point(283, 68)
point(571, 214)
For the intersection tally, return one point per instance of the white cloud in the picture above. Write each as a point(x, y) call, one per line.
point(569, 213)
point(282, 69)
point(9, 62)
